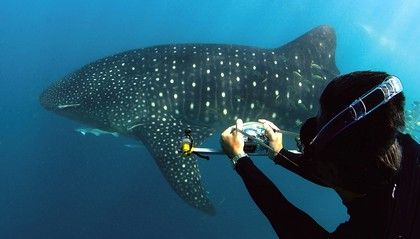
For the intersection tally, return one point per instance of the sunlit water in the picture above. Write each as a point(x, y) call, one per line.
point(56, 183)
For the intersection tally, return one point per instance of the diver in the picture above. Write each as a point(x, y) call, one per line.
point(353, 146)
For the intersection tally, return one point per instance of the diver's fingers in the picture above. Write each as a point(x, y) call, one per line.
point(262, 120)
point(271, 124)
point(239, 124)
point(268, 131)
point(227, 131)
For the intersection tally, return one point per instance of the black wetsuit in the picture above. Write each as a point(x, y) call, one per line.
point(393, 212)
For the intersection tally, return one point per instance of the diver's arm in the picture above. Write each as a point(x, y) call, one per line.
point(295, 162)
point(287, 220)
point(288, 159)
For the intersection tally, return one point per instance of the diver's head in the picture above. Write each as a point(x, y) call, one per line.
point(366, 155)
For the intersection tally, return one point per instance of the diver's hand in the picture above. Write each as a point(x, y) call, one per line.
point(232, 141)
point(274, 136)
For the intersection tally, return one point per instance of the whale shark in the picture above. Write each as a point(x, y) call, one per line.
point(154, 93)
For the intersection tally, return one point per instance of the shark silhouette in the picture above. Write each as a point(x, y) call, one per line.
point(154, 93)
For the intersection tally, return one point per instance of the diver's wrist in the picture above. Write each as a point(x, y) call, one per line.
point(235, 158)
point(272, 154)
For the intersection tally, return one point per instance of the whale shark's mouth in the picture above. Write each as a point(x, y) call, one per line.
point(67, 106)
point(49, 99)
point(45, 101)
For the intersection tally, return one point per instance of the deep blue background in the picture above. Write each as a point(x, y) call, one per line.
point(55, 183)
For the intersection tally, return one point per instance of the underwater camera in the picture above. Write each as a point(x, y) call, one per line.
point(255, 140)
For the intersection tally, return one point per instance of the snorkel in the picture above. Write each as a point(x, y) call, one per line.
point(356, 111)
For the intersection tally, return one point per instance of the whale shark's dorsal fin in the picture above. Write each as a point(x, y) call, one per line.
point(315, 48)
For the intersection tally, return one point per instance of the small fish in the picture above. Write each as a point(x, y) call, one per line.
point(297, 74)
point(96, 132)
point(317, 77)
point(302, 107)
point(315, 66)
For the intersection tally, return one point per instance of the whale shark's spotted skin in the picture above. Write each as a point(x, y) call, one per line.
point(154, 93)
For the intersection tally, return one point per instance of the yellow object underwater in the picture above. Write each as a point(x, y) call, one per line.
point(186, 149)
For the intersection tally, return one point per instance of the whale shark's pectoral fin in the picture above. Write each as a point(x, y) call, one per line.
point(162, 138)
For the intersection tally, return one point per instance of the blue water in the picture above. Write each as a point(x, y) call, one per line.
point(55, 183)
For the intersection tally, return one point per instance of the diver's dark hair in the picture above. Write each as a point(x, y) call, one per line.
point(372, 141)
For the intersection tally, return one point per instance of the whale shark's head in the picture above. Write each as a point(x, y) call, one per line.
point(65, 98)
point(101, 94)
point(86, 97)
